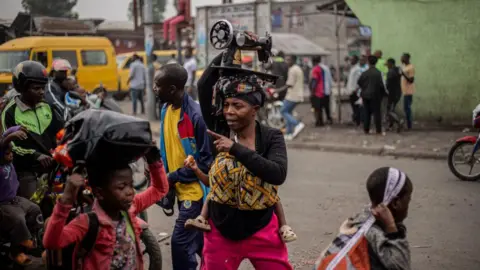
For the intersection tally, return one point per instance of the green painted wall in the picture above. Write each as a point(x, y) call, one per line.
point(443, 37)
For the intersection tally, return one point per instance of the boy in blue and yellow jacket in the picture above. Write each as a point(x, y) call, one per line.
point(182, 133)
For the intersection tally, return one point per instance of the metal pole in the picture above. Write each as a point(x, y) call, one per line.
point(135, 15)
point(31, 23)
point(149, 40)
point(339, 84)
point(178, 44)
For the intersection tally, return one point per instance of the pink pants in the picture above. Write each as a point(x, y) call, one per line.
point(264, 249)
point(170, 27)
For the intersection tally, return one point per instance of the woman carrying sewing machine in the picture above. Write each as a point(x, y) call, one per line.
point(242, 217)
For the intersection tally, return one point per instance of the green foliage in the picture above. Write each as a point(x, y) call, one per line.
point(158, 10)
point(52, 8)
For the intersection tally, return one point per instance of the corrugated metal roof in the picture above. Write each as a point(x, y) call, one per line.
point(63, 25)
point(116, 25)
point(296, 44)
point(6, 22)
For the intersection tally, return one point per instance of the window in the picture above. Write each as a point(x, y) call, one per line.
point(71, 56)
point(10, 59)
point(40, 57)
point(94, 58)
point(163, 59)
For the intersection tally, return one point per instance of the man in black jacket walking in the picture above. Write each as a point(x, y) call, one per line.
point(372, 91)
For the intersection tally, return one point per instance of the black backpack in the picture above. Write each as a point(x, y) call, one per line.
point(63, 259)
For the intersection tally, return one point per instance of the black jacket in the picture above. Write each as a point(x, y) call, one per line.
point(371, 84)
point(55, 96)
point(280, 68)
point(393, 83)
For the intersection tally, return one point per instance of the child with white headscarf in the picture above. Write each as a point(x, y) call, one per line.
point(376, 238)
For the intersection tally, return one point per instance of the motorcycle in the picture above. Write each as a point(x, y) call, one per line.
point(270, 114)
point(470, 157)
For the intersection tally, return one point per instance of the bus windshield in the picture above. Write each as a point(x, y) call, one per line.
point(120, 59)
point(10, 59)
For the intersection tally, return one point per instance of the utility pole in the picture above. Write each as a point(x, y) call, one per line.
point(149, 40)
point(135, 15)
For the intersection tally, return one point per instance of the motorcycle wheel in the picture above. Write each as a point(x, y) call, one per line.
point(275, 118)
point(451, 155)
point(152, 249)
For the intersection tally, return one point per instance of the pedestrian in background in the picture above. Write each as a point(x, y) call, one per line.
point(317, 89)
point(408, 87)
point(137, 82)
point(173, 59)
point(328, 85)
point(381, 64)
point(294, 88)
point(280, 68)
point(393, 84)
point(190, 66)
point(394, 91)
point(372, 93)
point(352, 88)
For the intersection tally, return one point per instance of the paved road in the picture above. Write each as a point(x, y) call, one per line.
point(324, 188)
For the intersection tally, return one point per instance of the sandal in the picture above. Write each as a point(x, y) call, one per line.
point(21, 259)
point(200, 223)
point(287, 234)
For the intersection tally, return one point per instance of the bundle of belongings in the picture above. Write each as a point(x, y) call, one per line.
point(106, 138)
point(362, 244)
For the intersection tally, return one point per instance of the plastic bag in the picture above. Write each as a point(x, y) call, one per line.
point(104, 137)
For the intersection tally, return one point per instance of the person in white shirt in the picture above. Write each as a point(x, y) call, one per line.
point(295, 95)
point(173, 59)
point(137, 82)
point(191, 66)
point(352, 88)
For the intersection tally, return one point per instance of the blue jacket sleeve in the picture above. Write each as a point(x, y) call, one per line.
point(203, 156)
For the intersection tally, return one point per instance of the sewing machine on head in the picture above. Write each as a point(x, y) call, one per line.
point(223, 36)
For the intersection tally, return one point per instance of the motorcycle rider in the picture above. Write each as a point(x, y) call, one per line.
point(58, 87)
point(31, 155)
point(280, 68)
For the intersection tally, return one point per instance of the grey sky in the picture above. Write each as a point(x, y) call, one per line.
point(114, 10)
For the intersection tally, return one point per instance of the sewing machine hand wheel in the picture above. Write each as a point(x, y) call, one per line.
point(221, 34)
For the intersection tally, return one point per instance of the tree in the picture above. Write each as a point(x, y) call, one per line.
point(158, 10)
point(52, 8)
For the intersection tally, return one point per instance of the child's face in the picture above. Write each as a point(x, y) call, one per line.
point(400, 206)
point(119, 193)
point(8, 155)
point(81, 91)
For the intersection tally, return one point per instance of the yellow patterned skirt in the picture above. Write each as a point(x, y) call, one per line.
point(232, 184)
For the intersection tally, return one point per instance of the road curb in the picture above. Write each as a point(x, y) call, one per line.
point(368, 150)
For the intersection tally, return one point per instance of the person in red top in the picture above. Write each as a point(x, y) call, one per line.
point(117, 244)
point(170, 25)
point(317, 88)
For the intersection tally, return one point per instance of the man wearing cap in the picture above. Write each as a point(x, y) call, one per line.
point(56, 89)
